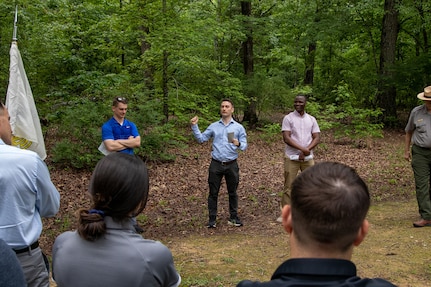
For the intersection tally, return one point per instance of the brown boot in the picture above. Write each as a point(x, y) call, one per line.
point(422, 223)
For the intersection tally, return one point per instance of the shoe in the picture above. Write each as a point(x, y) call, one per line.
point(235, 222)
point(422, 223)
point(279, 219)
point(138, 229)
point(211, 224)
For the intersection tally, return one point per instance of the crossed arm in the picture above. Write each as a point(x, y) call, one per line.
point(120, 144)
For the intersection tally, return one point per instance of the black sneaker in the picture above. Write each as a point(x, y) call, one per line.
point(235, 222)
point(138, 229)
point(211, 224)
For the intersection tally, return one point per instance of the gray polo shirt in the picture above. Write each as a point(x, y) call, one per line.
point(121, 258)
point(420, 124)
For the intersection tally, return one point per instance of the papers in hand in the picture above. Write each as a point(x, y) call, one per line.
point(296, 157)
point(102, 149)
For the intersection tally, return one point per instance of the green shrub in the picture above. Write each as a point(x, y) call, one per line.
point(79, 134)
point(155, 144)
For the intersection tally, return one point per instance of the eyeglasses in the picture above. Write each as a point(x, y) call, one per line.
point(121, 100)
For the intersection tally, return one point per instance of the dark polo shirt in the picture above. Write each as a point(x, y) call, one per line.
point(317, 272)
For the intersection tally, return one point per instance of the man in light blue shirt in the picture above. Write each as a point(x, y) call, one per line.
point(27, 194)
point(228, 137)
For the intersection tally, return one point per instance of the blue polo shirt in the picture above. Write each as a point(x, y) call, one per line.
point(112, 130)
point(317, 272)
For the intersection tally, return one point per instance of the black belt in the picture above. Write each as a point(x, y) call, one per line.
point(28, 248)
point(225, 162)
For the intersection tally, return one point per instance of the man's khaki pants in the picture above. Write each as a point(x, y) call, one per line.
point(291, 169)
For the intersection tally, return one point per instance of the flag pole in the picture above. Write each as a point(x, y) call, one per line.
point(24, 119)
point(15, 27)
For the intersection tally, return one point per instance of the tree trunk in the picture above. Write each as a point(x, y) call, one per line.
point(165, 76)
point(149, 71)
point(386, 94)
point(250, 114)
point(309, 64)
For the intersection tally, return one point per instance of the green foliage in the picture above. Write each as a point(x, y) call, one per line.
point(78, 134)
point(270, 130)
point(346, 118)
point(89, 51)
point(155, 144)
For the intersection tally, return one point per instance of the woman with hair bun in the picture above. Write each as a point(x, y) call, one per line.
point(106, 250)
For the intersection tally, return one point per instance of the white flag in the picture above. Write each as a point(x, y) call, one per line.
point(24, 120)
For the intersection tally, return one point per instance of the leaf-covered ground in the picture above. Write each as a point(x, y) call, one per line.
point(177, 205)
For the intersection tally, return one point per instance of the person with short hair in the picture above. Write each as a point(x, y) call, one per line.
point(105, 250)
point(27, 195)
point(418, 135)
point(325, 221)
point(121, 135)
point(301, 134)
point(229, 137)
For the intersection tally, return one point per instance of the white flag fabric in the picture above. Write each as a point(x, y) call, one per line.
point(24, 119)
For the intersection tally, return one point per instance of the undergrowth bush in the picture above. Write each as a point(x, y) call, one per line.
point(78, 129)
point(344, 118)
point(78, 125)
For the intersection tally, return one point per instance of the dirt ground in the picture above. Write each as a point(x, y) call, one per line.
point(176, 212)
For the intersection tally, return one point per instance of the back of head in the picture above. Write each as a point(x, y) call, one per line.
point(329, 202)
point(119, 188)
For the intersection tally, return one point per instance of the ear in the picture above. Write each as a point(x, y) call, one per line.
point(286, 215)
point(362, 232)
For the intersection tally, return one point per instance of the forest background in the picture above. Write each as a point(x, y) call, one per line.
point(360, 62)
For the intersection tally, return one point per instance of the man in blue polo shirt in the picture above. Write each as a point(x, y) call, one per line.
point(121, 135)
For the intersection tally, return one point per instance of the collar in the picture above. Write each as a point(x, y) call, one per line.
point(316, 267)
point(115, 121)
point(126, 224)
point(230, 122)
point(298, 114)
point(423, 109)
point(2, 142)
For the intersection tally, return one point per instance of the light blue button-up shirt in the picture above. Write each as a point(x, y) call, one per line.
point(26, 194)
point(222, 149)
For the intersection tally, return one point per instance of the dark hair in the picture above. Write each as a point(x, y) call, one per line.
point(329, 202)
point(302, 95)
point(227, 100)
point(119, 189)
point(119, 100)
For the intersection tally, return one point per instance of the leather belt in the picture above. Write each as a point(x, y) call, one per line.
point(28, 248)
point(224, 162)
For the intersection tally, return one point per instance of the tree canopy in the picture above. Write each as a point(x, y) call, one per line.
point(361, 62)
